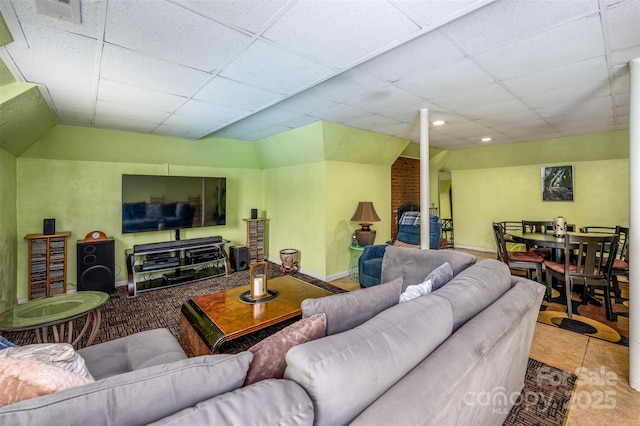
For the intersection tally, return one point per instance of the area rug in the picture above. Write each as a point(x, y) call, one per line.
point(545, 398)
point(122, 316)
point(589, 319)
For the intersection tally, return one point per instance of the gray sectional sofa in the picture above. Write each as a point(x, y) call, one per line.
point(430, 360)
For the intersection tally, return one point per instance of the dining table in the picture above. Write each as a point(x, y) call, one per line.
point(540, 239)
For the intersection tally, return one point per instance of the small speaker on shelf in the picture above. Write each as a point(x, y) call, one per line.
point(239, 258)
point(49, 226)
point(254, 213)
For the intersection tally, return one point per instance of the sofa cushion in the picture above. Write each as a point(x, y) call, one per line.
point(269, 402)
point(347, 310)
point(475, 288)
point(133, 352)
point(346, 372)
point(413, 265)
point(59, 354)
point(268, 354)
point(25, 378)
point(137, 397)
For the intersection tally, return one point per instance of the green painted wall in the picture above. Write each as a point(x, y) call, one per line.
point(482, 196)
point(8, 234)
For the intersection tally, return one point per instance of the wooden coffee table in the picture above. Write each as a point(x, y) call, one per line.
point(206, 322)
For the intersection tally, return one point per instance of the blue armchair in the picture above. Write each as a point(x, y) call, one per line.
point(370, 262)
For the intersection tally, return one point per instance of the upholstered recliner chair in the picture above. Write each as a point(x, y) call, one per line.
point(370, 263)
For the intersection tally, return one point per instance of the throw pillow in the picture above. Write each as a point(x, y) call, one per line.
point(347, 310)
point(4, 343)
point(436, 279)
point(24, 378)
point(269, 354)
point(59, 354)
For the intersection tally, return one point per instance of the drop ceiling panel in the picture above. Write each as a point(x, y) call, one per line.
point(340, 113)
point(136, 69)
point(489, 93)
point(505, 21)
point(223, 91)
point(575, 41)
point(249, 15)
point(347, 85)
point(455, 78)
point(115, 92)
point(115, 110)
point(410, 113)
point(26, 11)
point(194, 126)
point(304, 104)
point(124, 123)
point(358, 28)
point(372, 122)
point(387, 97)
point(186, 38)
point(569, 96)
point(211, 112)
point(622, 21)
point(411, 58)
point(272, 68)
point(429, 13)
point(493, 109)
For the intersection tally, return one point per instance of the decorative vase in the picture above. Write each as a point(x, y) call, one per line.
point(559, 226)
point(289, 259)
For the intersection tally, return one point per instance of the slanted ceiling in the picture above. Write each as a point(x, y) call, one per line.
point(513, 70)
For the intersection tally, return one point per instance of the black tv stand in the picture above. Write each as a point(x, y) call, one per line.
point(191, 260)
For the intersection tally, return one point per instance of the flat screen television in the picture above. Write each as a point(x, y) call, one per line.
point(155, 202)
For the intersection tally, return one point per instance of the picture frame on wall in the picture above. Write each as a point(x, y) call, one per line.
point(557, 183)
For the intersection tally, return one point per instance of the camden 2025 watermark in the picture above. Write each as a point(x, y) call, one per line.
point(557, 393)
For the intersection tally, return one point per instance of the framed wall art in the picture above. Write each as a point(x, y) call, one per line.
point(557, 183)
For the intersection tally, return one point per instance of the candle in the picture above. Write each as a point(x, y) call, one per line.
point(258, 286)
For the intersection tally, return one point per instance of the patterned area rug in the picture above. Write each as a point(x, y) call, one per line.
point(589, 319)
point(546, 396)
point(122, 316)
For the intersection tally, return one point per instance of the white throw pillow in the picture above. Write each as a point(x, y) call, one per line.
point(59, 354)
point(436, 279)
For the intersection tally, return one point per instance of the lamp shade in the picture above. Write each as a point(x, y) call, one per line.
point(365, 213)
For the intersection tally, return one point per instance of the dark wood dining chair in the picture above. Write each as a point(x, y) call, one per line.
point(598, 229)
point(542, 226)
point(620, 267)
point(517, 259)
point(592, 268)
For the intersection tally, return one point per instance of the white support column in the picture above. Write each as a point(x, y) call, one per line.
point(424, 179)
point(634, 223)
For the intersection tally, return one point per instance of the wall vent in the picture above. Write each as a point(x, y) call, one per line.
point(68, 10)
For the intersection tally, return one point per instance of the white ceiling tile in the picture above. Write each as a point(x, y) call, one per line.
point(228, 92)
point(575, 41)
point(505, 21)
point(210, 112)
point(565, 75)
point(136, 69)
point(459, 101)
point(428, 13)
point(567, 97)
point(268, 131)
point(347, 85)
point(340, 113)
point(267, 66)
point(455, 78)
point(359, 28)
point(109, 109)
point(300, 120)
point(400, 130)
point(527, 135)
point(76, 117)
point(304, 103)
point(465, 130)
point(249, 15)
point(413, 58)
point(582, 111)
point(273, 116)
point(124, 123)
point(114, 92)
point(624, 56)
point(26, 9)
point(372, 122)
point(379, 100)
point(622, 20)
point(410, 113)
point(186, 37)
point(70, 102)
point(493, 109)
point(196, 127)
point(508, 119)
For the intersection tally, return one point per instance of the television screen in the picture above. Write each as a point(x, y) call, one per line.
point(155, 203)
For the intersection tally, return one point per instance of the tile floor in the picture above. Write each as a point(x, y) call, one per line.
point(602, 394)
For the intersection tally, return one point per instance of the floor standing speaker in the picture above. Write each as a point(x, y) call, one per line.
point(239, 258)
point(96, 266)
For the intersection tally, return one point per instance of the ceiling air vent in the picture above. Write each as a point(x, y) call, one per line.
point(64, 9)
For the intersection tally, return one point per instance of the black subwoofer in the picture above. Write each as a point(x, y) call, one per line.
point(239, 258)
point(96, 266)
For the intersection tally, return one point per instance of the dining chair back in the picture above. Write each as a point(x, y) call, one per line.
point(620, 266)
point(585, 263)
point(537, 226)
point(598, 229)
point(516, 260)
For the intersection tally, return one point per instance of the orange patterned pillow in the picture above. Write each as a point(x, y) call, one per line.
point(24, 378)
point(269, 354)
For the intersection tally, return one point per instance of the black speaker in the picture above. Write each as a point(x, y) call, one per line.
point(49, 226)
point(239, 258)
point(254, 213)
point(96, 266)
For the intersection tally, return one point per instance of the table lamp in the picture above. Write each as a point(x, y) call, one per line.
point(365, 213)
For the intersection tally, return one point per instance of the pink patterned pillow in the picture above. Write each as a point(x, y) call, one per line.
point(24, 378)
point(269, 354)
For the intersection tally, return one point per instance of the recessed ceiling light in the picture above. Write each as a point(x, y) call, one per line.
point(485, 140)
point(438, 122)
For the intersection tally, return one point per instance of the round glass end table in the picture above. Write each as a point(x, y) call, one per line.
point(356, 252)
point(58, 313)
